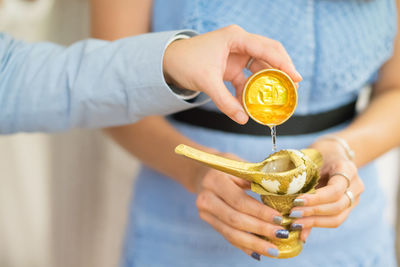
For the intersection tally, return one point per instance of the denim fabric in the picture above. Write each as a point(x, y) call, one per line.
point(92, 83)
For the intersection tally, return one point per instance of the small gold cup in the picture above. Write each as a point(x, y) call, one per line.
point(270, 97)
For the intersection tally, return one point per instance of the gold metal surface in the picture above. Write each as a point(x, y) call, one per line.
point(279, 173)
point(270, 97)
point(283, 171)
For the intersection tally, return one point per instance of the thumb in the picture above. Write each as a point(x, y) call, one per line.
point(226, 102)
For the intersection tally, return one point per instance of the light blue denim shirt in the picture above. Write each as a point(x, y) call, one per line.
point(92, 83)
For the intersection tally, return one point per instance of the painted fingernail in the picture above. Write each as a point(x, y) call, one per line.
point(284, 234)
point(296, 226)
point(298, 75)
point(241, 117)
point(296, 214)
point(277, 220)
point(255, 256)
point(299, 202)
point(273, 252)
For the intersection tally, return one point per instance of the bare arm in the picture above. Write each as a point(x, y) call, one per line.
point(377, 130)
point(114, 19)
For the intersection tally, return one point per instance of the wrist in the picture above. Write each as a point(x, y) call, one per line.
point(330, 148)
point(193, 177)
point(170, 59)
point(341, 142)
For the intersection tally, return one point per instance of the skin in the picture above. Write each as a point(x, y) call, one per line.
point(221, 198)
point(220, 56)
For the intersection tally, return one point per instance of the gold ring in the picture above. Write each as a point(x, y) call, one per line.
point(343, 175)
point(350, 195)
point(251, 60)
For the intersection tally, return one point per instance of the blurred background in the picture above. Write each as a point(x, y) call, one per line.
point(64, 197)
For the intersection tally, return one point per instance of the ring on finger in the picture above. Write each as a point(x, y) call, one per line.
point(251, 60)
point(343, 175)
point(350, 195)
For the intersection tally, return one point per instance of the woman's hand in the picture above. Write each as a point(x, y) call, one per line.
point(330, 206)
point(223, 203)
point(204, 62)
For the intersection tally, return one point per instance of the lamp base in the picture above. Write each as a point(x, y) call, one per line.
point(291, 247)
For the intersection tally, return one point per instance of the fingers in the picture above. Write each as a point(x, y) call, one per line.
point(337, 184)
point(330, 206)
point(330, 193)
point(246, 185)
point(240, 239)
point(330, 214)
point(226, 102)
point(327, 221)
point(263, 48)
point(224, 205)
point(335, 207)
point(252, 254)
point(258, 65)
point(238, 199)
point(209, 202)
point(239, 82)
point(304, 234)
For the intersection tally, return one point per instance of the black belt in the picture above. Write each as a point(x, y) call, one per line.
point(296, 125)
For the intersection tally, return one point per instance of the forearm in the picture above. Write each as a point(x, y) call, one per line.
point(377, 130)
point(153, 141)
point(93, 83)
point(115, 19)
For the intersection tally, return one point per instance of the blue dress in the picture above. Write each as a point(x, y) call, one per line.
point(338, 47)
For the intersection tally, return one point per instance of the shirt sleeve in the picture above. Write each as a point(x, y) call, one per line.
point(90, 84)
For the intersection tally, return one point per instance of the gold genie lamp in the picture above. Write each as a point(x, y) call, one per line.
point(279, 179)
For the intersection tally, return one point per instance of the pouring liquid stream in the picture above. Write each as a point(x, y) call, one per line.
point(273, 135)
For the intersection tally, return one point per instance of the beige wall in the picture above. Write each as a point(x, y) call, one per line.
point(63, 197)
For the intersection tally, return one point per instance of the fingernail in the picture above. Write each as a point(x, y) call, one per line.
point(298, 75)
point(241, 117)
point(284, 234)
point(273, 252)
point(296, 214)
point(296, 226)
point(298, 202)
point(255, 256)
point(277, 220)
